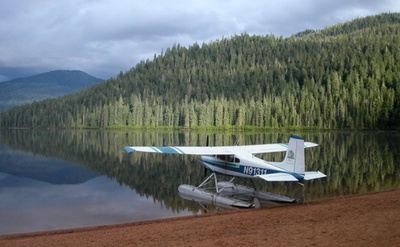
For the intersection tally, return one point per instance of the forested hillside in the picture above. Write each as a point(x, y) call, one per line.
point(46, 85)
point(345, 76)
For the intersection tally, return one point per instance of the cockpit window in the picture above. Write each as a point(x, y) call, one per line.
point(228, 158)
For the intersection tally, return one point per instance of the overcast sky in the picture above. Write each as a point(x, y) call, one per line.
point(104, 37)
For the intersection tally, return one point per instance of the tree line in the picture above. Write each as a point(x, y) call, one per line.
point(345, 76)
point(358, 163)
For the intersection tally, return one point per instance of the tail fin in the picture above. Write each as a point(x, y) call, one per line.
point(294, 163)
point(294, 159)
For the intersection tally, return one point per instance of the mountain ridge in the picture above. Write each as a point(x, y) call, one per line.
point(42, 86)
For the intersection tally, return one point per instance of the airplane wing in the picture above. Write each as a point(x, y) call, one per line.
point(207, 150)
point(180, 150)
point(271, 148)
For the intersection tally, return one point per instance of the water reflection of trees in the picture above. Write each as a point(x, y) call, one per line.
point(355, 162)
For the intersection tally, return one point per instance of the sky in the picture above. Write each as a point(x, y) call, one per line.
point(105, 37)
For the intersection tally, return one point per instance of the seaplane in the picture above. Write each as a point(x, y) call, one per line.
point(241, 161)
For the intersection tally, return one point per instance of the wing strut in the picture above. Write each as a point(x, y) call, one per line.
point(207, 181)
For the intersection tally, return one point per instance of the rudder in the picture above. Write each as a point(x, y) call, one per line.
point(294, 158)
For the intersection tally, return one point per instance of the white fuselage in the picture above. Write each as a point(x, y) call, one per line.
point(239, 165)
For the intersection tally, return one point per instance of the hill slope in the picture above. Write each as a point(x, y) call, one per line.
point(345, 76)
point(42, 86)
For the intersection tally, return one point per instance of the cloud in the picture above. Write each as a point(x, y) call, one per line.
point(32, 205)
point(105, 37)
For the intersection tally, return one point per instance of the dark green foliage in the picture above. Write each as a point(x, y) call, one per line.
point(345, 76)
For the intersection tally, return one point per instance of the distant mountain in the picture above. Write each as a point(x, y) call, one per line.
point(47, 85)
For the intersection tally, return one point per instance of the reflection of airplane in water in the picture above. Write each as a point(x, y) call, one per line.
point(239, 161)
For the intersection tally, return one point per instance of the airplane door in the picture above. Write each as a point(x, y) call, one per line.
point(226, 161)
point(223, 161)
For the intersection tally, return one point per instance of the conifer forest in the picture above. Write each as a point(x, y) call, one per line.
point(342, 77)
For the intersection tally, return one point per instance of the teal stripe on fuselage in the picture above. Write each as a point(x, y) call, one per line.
point(248, 170)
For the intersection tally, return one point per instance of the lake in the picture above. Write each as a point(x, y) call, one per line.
point(75, 178)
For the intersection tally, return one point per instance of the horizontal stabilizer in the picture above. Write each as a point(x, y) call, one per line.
point(279, 176)
point(313, 175)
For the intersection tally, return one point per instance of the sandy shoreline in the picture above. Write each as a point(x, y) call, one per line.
point(346, 221)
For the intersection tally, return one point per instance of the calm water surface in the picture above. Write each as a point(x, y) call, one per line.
point(65, 179)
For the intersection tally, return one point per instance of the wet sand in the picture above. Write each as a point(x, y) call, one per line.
point(361, 220)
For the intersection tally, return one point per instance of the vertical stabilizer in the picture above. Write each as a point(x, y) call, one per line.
point(293, 164)
point(294, 159)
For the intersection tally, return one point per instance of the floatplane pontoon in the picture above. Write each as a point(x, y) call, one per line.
point(240, 161)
